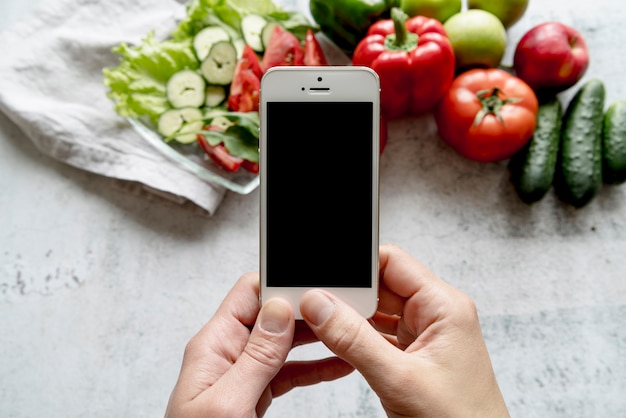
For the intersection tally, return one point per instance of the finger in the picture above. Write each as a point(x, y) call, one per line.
point(389, 302)
point(347, 334)
point(305, 373)
point(425, 295)
point(386, 324)
point(242, 302)
point(262, 357)
point(402, 274)
point(236, 314)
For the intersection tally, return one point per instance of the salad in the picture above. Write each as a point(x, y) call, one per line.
point(199, 88)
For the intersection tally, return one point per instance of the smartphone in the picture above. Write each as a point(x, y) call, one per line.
point(319, 183)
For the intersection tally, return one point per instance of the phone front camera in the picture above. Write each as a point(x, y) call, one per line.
point(319, 78)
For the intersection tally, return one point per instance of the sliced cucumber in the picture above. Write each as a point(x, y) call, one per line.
point(266, 34)
point(213, 112)
point(221, 123)
point(206, 38)
point(219, 66)
point(215, 95)
point(240, 44)
point(186, 89)
point(252, 26)
point(180, 121)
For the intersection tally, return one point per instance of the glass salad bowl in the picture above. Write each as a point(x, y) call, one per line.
point(194, 159)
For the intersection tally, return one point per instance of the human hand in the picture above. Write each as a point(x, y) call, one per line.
point(235, 364)
point(423, 352)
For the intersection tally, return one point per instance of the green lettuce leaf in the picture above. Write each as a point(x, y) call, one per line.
point(242, 138)
point(137, 86)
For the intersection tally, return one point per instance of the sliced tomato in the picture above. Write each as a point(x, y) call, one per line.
point(312, 51)
point(250, 166)
point(250, 60)
point(220, 155)
point(283, 49)
point(246, 84)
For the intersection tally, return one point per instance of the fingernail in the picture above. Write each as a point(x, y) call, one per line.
point(317, 307)
point(274, 317)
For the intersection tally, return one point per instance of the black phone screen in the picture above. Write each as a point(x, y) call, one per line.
point(319, 194)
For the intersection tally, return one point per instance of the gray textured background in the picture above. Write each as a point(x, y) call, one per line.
point(100, 288)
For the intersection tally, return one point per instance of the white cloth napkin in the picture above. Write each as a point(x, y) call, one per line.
point(51, 86)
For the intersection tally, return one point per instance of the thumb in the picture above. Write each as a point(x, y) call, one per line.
point(347, 334)
point(264, 354)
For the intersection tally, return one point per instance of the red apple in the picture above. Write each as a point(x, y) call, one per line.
point(551, 57)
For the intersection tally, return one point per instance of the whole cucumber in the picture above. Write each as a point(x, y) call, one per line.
point(532, 168)
point(614, 143)
point(578, 175)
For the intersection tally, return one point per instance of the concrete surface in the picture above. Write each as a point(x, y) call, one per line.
point(100, 288)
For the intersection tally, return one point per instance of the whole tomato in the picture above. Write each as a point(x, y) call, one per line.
point(487, 115)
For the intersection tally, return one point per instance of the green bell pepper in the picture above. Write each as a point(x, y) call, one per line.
point(345, 22)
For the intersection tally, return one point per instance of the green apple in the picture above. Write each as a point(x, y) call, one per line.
point(508, 11)
point(478, 39)
point(436, 9)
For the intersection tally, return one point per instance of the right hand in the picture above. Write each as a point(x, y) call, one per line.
point(423, 352)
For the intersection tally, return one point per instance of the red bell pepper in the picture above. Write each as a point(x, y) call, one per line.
point(413, 58)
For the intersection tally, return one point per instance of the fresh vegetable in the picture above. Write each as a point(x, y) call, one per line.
point(441, 10)
point(532, 168)
point(551, 57)
point(346, 22)
point(312, 52)
point(229, 14)
point(219, 65)
point(614, 143)
point(478, 39)
point(204, 40)
point(229, 139)
point(215, 96)
point(252, 27)
point(414, 60)
point(186, 88)
point(174, 122)
point(207, 66)
point(508, 11)
point(218, 152)
point(579, 167)
point(137, 86)
point(283, 49)
point(487, 114)
point(246, 85)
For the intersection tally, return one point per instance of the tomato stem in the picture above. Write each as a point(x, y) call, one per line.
point(492, 103)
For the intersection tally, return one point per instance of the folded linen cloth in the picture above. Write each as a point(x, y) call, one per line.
point(51, 86)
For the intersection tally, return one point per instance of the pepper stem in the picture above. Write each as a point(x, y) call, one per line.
point(401, 39)
point(399, 20)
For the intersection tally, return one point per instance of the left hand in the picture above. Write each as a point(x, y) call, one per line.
point(235, 365)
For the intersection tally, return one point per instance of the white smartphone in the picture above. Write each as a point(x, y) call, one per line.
point(319, 183)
